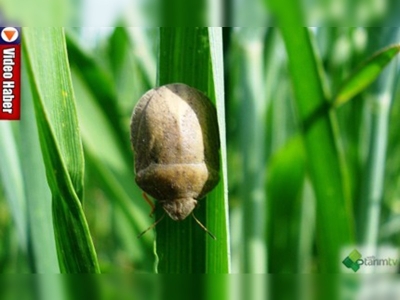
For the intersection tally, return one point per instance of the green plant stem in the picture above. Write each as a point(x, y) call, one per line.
point(183, 247)
point(325, 162)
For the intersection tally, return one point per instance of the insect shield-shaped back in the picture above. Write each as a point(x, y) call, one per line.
point(174, 134)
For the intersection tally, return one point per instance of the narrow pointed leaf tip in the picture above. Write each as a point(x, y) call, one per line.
point(365, 74)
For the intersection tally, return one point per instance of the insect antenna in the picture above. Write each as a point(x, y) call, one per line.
point(151, 226)
point(204, 227)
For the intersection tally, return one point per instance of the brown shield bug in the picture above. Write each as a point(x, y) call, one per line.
point(174, 135)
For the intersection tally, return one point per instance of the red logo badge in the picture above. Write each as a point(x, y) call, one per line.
point(10, 73)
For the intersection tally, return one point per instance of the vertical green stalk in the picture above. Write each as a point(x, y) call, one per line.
point(218, 254)
point(321, 142)
point(183, 247)
point(325, 162)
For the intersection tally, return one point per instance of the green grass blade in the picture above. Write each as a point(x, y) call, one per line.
point(325, 164)
point(183, 247)
point(54, 103)
point(50, 79)
point(218, 252)
point(365, 74)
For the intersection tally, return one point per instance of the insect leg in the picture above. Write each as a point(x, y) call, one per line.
point(153, 207)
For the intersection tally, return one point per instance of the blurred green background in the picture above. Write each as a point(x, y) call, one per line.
point(310, 146)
